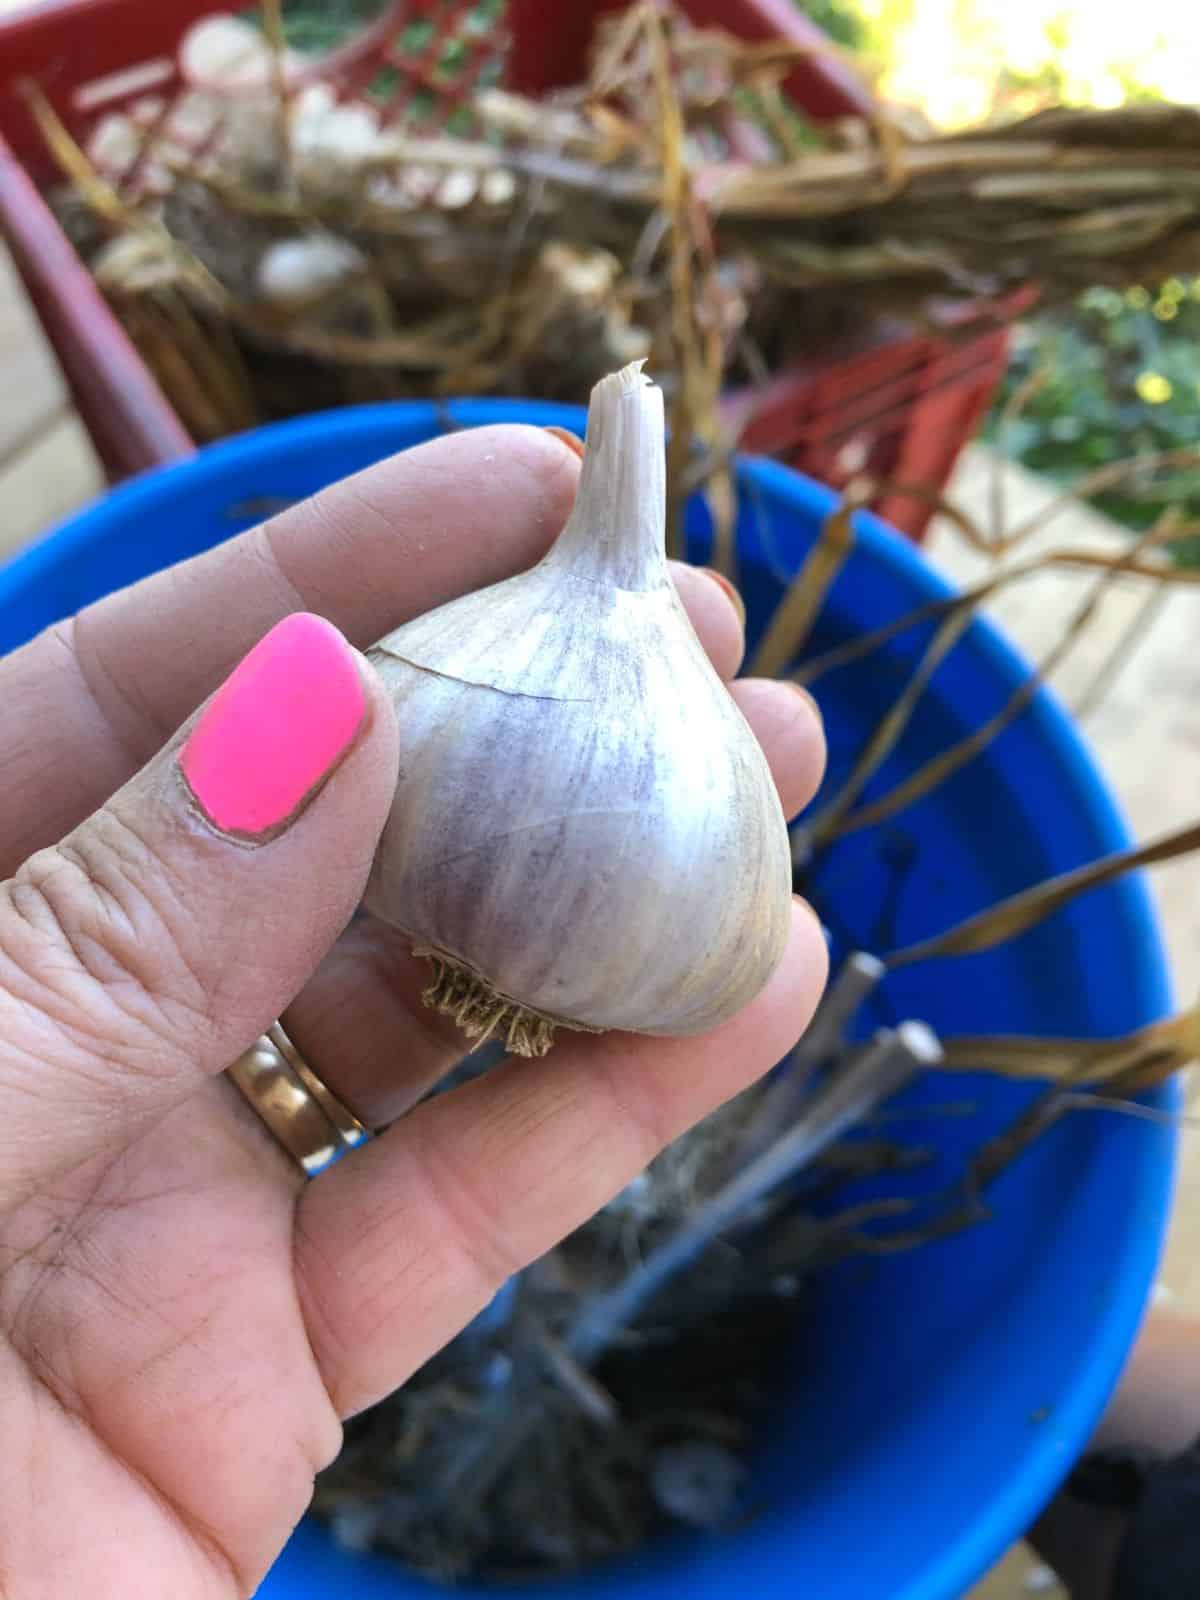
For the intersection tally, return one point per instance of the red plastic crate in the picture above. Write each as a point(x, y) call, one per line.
point(899, 410)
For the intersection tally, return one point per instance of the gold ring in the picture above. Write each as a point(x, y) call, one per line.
point(309, 1121)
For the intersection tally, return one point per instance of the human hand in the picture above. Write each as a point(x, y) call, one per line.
point(183, 1321)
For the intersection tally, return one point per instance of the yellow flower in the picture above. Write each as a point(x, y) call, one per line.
point(1137, 297)
point(1164, 310)
point(1153, 388)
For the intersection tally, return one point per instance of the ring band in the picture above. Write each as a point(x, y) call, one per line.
point(309, 1121)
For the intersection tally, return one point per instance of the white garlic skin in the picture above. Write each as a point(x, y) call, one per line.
point(583, 816)
point(225, 52)
point(294, 270)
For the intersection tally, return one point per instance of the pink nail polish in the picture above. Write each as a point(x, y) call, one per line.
point(276, 727)
point(572, 440)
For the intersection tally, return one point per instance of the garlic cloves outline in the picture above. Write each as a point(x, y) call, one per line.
point(585, 832)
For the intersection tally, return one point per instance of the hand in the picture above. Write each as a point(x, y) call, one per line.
point(183, 1322)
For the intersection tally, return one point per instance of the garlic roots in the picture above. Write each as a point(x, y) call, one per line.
point(585, 832)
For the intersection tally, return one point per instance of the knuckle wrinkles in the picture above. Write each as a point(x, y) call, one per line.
point(475, 1229)
point(96, 931)
point(367, 509)
point(268, 547)
point(637, 1108)
point(125, 720)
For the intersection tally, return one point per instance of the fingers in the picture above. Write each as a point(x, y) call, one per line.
point(716, 612)
point(151, 946)
point(363, 1028)
point(361, 1020)
point(399, 1246)
point(787, 723)
point(369, 552)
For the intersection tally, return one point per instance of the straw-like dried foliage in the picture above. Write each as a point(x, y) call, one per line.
point(676, 204)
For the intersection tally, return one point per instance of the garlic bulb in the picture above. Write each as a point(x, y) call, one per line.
point(226, 53)
point(114, 145)
point(330, 143)
point(291, 271)
point(585, 831)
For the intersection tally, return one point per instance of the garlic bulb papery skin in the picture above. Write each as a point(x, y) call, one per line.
point(585, 831)
point(291, 271)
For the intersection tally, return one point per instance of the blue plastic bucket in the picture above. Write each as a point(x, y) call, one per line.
point(935, 1398)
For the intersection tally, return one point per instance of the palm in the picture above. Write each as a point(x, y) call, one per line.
point(151, 1298)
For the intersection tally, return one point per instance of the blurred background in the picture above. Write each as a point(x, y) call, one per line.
point(1122, 367)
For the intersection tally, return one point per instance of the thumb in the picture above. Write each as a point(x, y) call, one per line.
point(147, 950)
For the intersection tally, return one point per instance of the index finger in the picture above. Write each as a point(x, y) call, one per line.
point(86, 704)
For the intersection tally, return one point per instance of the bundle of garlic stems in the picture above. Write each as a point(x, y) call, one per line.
point(869, 1076)
point(859, 1080)
point(342, 260)
point(544, 1394)
point(1066, 198)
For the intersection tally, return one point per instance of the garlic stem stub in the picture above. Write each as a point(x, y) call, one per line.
point(585, 832)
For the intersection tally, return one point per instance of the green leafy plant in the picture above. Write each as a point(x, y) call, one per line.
point(1113, 375)
point(842, 20)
